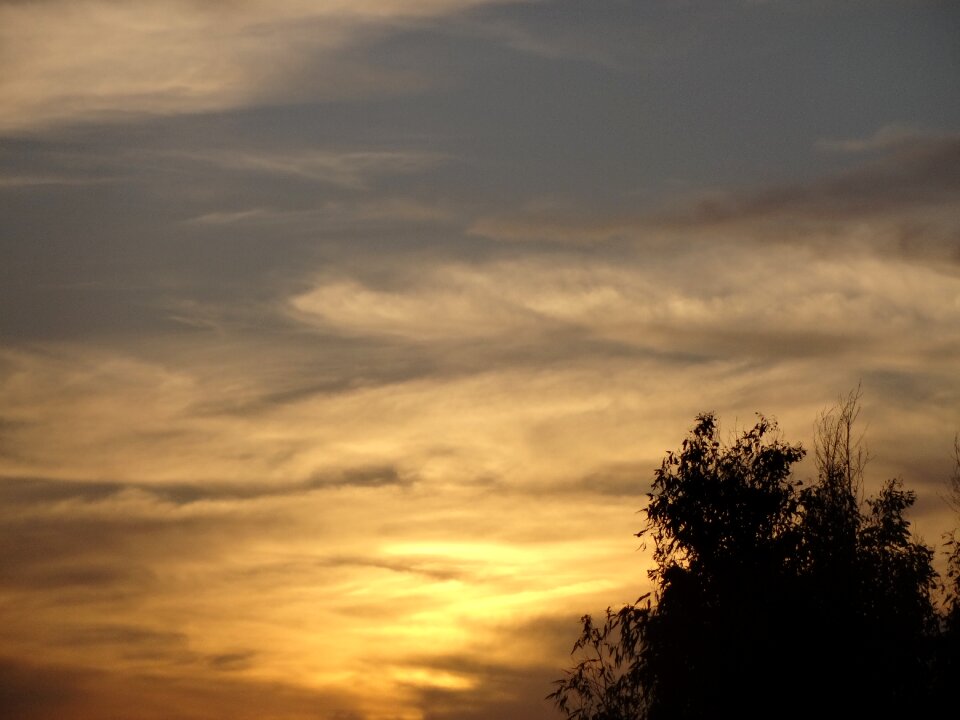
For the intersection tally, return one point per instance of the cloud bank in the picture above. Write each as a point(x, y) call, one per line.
point(340, 340)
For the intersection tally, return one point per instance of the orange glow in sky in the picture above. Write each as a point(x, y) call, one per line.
point(339, 340)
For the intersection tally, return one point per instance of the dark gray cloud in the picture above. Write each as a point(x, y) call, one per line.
point(18, 491)
point(40, 692)
point(148, 645)
point(923, 174)
point(427, 569)
point(56, 691)
point(232, 662)
point(27, 492)
point(132, 643)
point(88, 560)
point(908, 191)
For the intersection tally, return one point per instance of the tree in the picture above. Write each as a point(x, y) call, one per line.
point(952, 546)
point(771, 598)
point(947, 666)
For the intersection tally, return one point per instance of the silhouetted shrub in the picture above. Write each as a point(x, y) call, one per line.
point(772, 599)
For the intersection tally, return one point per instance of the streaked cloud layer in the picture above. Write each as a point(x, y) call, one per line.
point(340, 340)
point(101, 59)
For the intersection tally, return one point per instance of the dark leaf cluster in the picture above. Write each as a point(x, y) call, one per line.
point(773, 599)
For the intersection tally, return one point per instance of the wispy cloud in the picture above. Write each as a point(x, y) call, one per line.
point(884, 138)
point(918, 174)
point(901, 202)
point(100, 59)
point(341, 339)
point(350, 169)
point(51, 691)
point(28, 181)
point(558, 221)
point(804, 296)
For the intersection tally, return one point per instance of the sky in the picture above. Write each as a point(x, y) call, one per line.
point(339, 340)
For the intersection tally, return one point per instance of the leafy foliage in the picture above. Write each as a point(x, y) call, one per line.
point(772, 598)
point(605, 684)
point(947, 669)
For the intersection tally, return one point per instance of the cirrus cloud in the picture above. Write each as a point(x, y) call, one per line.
point(78, 60)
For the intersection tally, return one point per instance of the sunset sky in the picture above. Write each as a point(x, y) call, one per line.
point(339, 339)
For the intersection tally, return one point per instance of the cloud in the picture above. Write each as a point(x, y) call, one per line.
point(232, 662)
point(52, 691)
point(552, 38)
point(332, 216)
point(27, 492)
point(623, 480)
point(461, 302)
point(351, 170)
point(556, 221)
point(399, 580)
point(903, 203)
point(499, 693)
point(401, 565)
point(135, 643)
point(67, 61)
point(884, 138)
point(15, 181)
point(415, 449)
point(40, 692)
point(327, 416)
point(919, 174)
point(778, 302)
point(508, 675)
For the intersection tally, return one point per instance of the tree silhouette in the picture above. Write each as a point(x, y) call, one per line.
point(947, 667)
point(772, 599)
